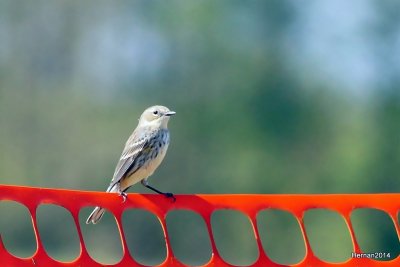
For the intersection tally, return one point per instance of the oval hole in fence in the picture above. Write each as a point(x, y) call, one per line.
point(328, 235)
point(102, 240)
point(375, 232)
point(281, 236)
point(16, 229)
point(58, 232)
point(234, 237)
point(189, 237)
point(144, 236)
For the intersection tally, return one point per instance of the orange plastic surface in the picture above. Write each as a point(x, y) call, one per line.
point(204, 205)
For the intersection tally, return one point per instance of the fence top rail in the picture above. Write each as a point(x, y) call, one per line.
point(296, 203)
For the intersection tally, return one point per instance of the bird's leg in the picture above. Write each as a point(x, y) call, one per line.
point(168, 195)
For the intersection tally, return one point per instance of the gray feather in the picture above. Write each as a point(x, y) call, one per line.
point(137, 143)
point(95, 216)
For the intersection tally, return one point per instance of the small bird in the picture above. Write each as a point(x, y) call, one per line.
point(143, 153)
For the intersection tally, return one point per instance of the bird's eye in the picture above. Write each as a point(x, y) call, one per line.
point(155, 112)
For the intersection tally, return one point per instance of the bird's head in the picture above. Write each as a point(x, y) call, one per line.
point(156, 116)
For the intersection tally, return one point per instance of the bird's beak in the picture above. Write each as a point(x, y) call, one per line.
point(169, 113)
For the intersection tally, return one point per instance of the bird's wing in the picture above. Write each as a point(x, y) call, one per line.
point(133, 148)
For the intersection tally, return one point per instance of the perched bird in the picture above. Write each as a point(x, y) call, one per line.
point(143, 153)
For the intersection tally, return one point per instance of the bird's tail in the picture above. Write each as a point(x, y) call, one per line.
point(98, 212)
point(96, 215)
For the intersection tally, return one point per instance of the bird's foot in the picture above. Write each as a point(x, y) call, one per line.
point(171, 196)
point(124, 196)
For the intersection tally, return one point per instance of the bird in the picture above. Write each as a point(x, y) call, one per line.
point(144, 150)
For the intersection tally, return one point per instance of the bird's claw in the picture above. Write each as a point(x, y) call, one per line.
point(124, 196)
point(170, 195)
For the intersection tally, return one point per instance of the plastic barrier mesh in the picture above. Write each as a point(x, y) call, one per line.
point(204, 205)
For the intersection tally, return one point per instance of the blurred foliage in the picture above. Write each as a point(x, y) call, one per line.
point(271, 97)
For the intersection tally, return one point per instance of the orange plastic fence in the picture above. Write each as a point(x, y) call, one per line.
point(204, 205)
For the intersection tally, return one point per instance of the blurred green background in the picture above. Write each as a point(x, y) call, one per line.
point(271, 96)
